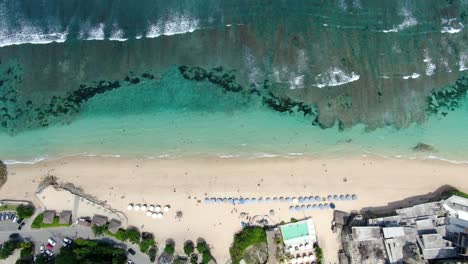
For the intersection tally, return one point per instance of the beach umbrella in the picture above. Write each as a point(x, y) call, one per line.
point(301, 199)
point(230, 200)
point(298, 208)
point(219, 200)
point(318, 199)
point(154, 215)
point(306, 199)
point(136, 207)
point(315, 207)
point(166, 208)
point(301, 247)
point(312, 258)
point(148, 213)
point(212, 200)
point(293, 261)
point(275, 199)
point(342, 197)
point(312, 199)
point(143, 207)
point(225, 200)
point(336, 197)
point(160, 215)
point(303, 207)
point(348, 197)
point(295, 200)
point(305, 258)
point(299, 259)
point(354, 197)
point(292, 209)
point(247, 201)
point(158, 208)
point(332, 206)
point(267, 200)
point(260, 200)
point(241, 201)
point(326, 206)
point(288, 199)
point(130, 207)
point(151, 207)
point(308, 246)
point(236, 201)
point(281, 199)
point(330, 198)
point(207, 201)
point(309, 207)
point(253, 200)
point(320, 206)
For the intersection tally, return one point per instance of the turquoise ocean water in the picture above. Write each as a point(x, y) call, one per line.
point(253, 79)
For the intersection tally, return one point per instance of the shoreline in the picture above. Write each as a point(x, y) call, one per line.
point(183, 183)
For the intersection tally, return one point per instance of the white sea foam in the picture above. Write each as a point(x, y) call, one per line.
point(335, 77)
point(414, 75)
point(408, 21)
point(297, 82)
point(451, 26)
point(175, 24)
point(30, 34)
point(33, 161)
point(96, 33)
point(430, 67)
point(117, 34)
point(406, 77)
point(463, 61)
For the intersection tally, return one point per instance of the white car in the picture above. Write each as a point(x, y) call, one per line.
point(67, 241)
point(49, 253)
point(52, 242)
point(41, 249)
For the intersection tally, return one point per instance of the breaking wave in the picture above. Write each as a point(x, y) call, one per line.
point(335, 77)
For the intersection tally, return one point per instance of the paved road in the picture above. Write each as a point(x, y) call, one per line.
point(39, 237)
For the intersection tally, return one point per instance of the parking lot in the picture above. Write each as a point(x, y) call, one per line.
point(6, 221)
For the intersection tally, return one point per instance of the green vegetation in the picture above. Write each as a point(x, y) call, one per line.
point(38, 222)
point(26, 254)
point(459, 193)
point(8, 247)
point(204, 250)
point(294, 220)
point(152, 252)
point(319, 254)
point(3, 173)
point(99, 230)
point(247, 237)
point(169, 249)
point(133, 235)
point(8, 207)
point(24, 211)
point(91, 252)
point(188, 248)
point(146, 243)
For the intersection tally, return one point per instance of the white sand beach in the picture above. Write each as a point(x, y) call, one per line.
point(184, 183)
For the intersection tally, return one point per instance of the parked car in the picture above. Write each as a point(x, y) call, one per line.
point(21, 226)
point(49, 253)
point(15, 218)
point(131, 251)
point(52, 242)
point(130, 262)
point(49, 246)
point(20, 220)
point(67, 242)
point(12, 216)
point(41, 249)
point(14, 236)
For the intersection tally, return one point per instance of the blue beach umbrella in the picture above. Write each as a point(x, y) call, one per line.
point(213, 200)
point(326, 206)
point(336, 197)
point(303, 207)
point(241, 201)
point(281, 199)
point(292, 209)
point(332, 206)
point(298, 208)
point(260, 200)
point(246, 200)
point(315, 207)
point(354, 197)
point(309, 207)
point(306, 199)
point(287, 199)
point(253, 200)
point(236, 201)
point(230, 200)
point(348, 197)
point(207, 200)
point(330, 198)
point(275, 199)
point(268, 200)
point(318, 199)
point(342, 197)
point(219, 200)
point(301, 199)
point(320, 206)
point(312, 199)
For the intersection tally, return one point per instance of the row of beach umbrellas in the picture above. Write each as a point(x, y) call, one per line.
point(148, 208)
point(304, 259)
point(307, 199)
point(321, 206)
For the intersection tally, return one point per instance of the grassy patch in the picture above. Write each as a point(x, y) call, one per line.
point(247, 237)
point(8, 207)
point(458, 193)
point(37, 222)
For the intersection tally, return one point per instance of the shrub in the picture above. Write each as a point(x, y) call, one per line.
point(91, 251)
point(8, 247)
point(247, 237)
point(146, 243)
point(99, 230)
point(27, 249)
point(188, 248)
point(169, 249)
point(206, 257)
point(120, 235)
point(152, 252)
point(319, 254)
point(3, 173)
point(133, 235)
point(24, 211)
point(37, 222)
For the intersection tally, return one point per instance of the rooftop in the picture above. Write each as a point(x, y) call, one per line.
point(114, 226)
point(49, 216)
point(390, 232)
point(65, 217)
point(364, 233)
point(300, 232)
point(99, 220)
